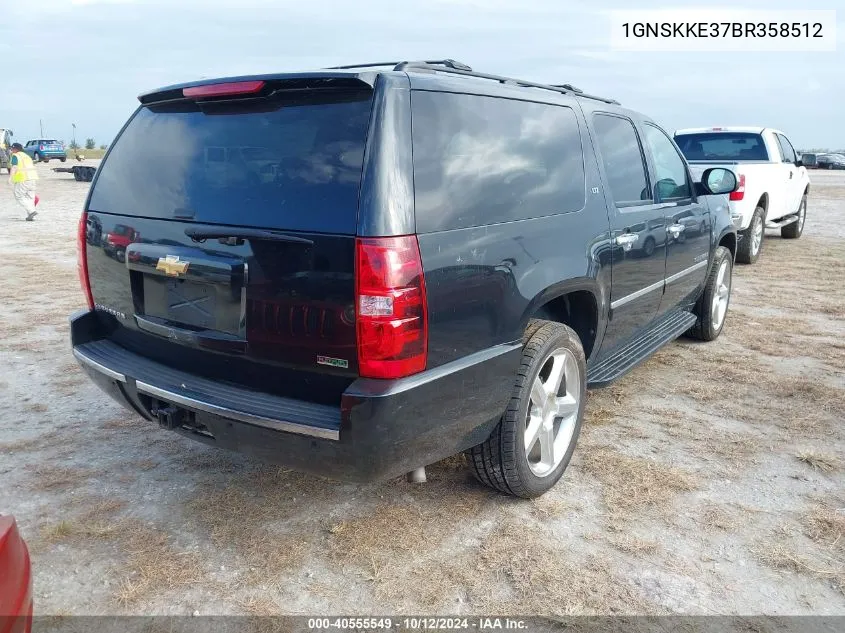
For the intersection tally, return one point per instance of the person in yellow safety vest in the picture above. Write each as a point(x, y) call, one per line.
point(23, 176)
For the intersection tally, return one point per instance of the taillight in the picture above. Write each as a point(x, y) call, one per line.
point(391, 319)
point(82, 259)
point(41, 147)
point(739, 194)
point(231, 88)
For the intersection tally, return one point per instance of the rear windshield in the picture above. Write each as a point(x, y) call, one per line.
point(722, 146)
point(50, 142)
point(288, 164)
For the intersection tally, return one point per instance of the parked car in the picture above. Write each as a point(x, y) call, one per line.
point(442, 261)
point(831, 161)
point(15, 580)
point(45, 149)
point(810, 161)
point(773, 183)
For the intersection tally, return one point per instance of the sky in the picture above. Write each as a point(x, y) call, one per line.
point(85, 61)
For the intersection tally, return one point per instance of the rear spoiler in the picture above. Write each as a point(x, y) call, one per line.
point(262, 85)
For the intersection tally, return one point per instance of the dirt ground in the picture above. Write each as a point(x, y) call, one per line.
point(709, 480)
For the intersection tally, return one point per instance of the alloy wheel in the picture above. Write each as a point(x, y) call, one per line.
point(552, 412)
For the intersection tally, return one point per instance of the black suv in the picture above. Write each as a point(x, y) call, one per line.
point(363, 270)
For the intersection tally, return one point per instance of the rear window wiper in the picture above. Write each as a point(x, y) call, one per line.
point(236, 236)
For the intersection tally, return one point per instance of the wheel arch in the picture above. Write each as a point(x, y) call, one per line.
point(576, 303)
point(764, 202)
point(728, 240)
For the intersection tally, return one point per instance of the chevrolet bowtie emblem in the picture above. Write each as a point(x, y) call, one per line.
point(172, 266)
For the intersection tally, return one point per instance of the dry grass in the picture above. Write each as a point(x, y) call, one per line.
point(523, 573)
point(633, 484)
point(31, 444)
point(250, 516)
point(823, 462)
point(260, 605)
point(716, 517)
point(53, 478)
point(153, 565)
point(119, 424)
point(630, 544)
point(792, 558)
point(95, 521)
point(393, 532)
point(826, 526)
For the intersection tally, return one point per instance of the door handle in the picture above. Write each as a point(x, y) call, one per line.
point(790, 175)
point(626, 240)
point(675, 229)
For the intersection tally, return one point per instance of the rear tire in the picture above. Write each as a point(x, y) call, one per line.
point(712, 306)
point(552, 353)
point(793, 231)
point(36, 157)
point(63, 159)
point(752, 238)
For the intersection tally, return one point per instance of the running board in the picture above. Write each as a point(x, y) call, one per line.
point(623, 360)
point(776, 224)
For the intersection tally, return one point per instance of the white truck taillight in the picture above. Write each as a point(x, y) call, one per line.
point(739, 194)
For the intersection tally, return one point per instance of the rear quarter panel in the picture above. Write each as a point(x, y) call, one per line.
point(484, 281)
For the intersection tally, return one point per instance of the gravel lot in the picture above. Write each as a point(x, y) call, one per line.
point(709, 480)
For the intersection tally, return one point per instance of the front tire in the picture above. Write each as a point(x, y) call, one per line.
point(533, 443)
point(752, 238)
point(712, 306)
point(793, 231)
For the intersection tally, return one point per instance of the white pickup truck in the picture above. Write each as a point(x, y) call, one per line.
point(773, 184)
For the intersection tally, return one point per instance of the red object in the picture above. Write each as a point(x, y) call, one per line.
point(82, 259)
point(37, 200)
point(41, 147)
point(225, 89)
point(15, 580)
point(390, 304)
point(739, 194)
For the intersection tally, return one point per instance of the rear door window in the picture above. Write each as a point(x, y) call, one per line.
point(482, 160)
point(624, 162)
point(291, 163)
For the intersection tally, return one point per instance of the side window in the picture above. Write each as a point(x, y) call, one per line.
point(786, 149)
point(483, 160)
point(670, 170)
point(623, 160)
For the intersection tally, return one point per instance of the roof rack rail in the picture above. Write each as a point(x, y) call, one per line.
point(563, 88)
point(448, 63)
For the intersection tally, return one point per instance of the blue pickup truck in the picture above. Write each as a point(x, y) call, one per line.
point(45, 149)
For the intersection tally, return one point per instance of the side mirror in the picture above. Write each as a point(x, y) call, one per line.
point(799, 163)
point(717, 180)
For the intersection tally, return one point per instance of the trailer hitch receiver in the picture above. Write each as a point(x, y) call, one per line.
point(169, 417)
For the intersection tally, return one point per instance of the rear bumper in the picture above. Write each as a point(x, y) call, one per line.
point(380, 428)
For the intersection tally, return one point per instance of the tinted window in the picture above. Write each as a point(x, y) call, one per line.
point(623, 161)
point(481, 160)
point(722, 146)
point(670, 171)
point(786, 149)
point(287, 164)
